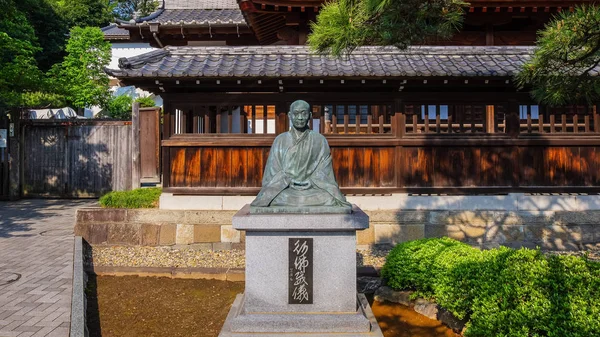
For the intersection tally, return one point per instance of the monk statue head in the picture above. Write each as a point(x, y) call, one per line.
point(300, 114)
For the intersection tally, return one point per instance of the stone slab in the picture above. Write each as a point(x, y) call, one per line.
point(547, 203)
point(184, 234)
point(78, 300)
point(300, 210)
point(236, 202)
point(404, 201)
point(206, 233)
point(230, 234)
point(357, 220)
point(301, 325)
point(184, 202)
point(334, 272)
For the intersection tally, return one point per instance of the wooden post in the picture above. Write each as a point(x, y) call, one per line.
point(166, 118)
point(135, 146)
point(596, 121)
point(15, 149)
point(281, 114)
point(400, 125)
point(512, 119)
point(489, 119)
point(166, 158)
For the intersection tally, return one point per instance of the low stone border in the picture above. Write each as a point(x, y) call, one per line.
point(212, 229)
point(78, 299)
point(156, 227)
point(223, 274)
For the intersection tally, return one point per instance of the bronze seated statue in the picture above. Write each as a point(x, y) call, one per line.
point(298, 177)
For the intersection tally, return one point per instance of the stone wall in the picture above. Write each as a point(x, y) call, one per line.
point(554, 230)
point(155, 227)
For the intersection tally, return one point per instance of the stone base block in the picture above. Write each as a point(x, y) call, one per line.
point(362, 323)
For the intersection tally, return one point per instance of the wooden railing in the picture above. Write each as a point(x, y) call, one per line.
point(345, 118)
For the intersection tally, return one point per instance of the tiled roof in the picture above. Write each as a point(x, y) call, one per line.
point(201, 4)
point(200, 17)
point(196, 13)
point(112, 32)
point(298, 61)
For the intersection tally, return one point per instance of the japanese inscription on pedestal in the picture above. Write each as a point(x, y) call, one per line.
point(300, 271)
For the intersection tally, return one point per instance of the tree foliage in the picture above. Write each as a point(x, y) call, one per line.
point(18, 45)
point(565, 67)
point(33, 39)
point(50, 30)
point(84, 13)
point(344, 25)
point(127, 9)
point(81, 75)
point(119, 107)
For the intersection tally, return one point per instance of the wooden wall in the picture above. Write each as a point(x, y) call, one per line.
point(388, 164)
point(485, 143)
point(76, 159)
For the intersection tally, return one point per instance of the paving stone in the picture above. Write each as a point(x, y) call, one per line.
point(40, 300)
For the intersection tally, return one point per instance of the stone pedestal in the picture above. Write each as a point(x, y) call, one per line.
point(300, 277)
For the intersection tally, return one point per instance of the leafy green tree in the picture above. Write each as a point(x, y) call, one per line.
point(84, 13)
point(126, 9)
point(565, 68)
point(145, 102)
point(18, 45)
point(50, 30)
point(119, 107)
point(346, 24)
point(81, 76)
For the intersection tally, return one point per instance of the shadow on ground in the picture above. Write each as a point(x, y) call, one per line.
point(18, 218)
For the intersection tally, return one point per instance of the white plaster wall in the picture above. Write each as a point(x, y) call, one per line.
point(127, 49)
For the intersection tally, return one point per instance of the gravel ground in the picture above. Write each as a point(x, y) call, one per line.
point(137, 256)
point(131, 256)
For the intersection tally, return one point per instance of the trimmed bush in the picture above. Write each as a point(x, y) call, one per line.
point(503, 292)
point(119, 107)
point(409, 265)
point(138, 198)
point(145, 102)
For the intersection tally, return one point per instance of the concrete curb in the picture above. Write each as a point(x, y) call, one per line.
point(78, 299)
point(223, 274)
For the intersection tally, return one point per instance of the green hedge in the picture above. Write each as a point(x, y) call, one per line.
point(138, 198)
point(502, 292)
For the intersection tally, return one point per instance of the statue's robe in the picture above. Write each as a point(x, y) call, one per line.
point(299, 173)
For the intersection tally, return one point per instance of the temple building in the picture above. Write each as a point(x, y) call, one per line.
point(445, 118)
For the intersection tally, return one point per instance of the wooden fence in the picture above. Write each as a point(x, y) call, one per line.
point(4, 157)
point(75, 158)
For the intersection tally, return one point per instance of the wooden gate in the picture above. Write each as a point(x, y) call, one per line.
point(150, 144)
point(76, 158)
point(4, 156)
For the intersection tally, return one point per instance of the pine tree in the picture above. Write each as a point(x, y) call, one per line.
point(565, 68)
point(344, 25)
